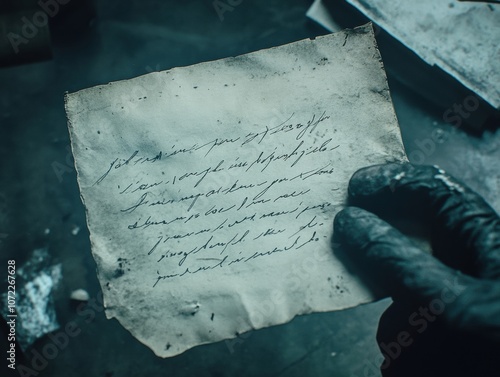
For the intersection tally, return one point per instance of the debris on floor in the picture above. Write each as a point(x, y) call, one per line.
point(36, 281)
point(80, 295)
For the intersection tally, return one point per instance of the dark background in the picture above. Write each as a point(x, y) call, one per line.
point(95, 42)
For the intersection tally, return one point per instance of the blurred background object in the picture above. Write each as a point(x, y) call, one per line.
point(445, 52)
point(27, 25)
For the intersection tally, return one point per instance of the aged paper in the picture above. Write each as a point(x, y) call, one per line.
point(211, 189)
point(460, 37)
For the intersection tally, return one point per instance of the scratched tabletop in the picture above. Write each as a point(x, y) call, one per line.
point(40, 203)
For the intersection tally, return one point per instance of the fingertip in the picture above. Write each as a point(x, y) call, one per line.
point(387, 256)
point(377, 178)
point(345, 218)
point(354, 226)
point(341, 218)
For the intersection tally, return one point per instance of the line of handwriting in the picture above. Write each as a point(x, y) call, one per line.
point(288, 126)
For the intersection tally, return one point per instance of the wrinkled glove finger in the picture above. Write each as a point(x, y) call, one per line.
point(465, 229)
point(403, 270)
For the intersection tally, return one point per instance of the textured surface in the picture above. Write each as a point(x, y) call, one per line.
point(459, 37)
point(35, 284)
point(458, 285)
point(38, 188)
point(210, 190)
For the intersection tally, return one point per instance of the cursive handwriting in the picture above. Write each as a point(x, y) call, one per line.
point(230, 201)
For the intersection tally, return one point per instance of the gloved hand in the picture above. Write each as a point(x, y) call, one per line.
point(445, 315)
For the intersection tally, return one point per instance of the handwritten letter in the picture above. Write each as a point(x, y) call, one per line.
point(211, 189)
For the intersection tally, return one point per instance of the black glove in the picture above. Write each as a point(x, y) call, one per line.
point(445, 318)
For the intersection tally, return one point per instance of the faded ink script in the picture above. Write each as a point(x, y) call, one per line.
point(235, 191)
point(210, 190)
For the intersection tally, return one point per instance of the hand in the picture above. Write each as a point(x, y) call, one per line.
point(445, 316)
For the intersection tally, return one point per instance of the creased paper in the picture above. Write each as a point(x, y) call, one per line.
point(211, 189)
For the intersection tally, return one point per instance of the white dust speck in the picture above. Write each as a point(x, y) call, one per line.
point(440, 171)
point(447, 181)
point(80, 295)
point(399, 176)
point(190, 308)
